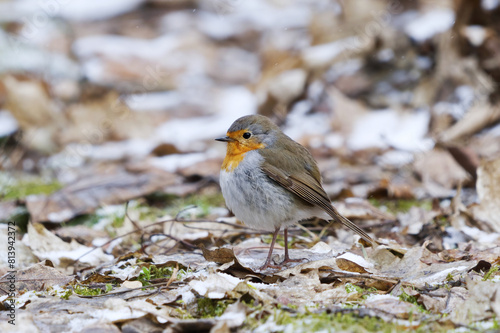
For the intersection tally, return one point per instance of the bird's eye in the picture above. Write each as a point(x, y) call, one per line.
point(247, 135)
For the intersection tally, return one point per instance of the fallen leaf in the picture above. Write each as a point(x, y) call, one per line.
point(37, 277)
point(46, 245)
point(488, 191)
point(221, 255)
point(88, 193)
point(477, 118)
point(439, 172)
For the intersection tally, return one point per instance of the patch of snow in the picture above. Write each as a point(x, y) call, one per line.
point(385, 55)
point(233, 318)
point(215, 286)
point(236, 102)
point(118, 150)
point(427, 25)
point(178, 21)
point(61, 216)
point(38, 12)
point(20, 56)
point(395, 158)
point(100, 241)
point(466, 97)
point(334, 140)
point(188, 296)
point(452, 238)
point(222, 19)
point(8, 124)
point(114, 46)
point(154, 101)
point(173, 162)
point(480, 236)
point(423, 62)
point(323, 54)
point(440, 276)
point(288, 85)
point(489, 4)
point(219, 211)
point(476, 34)
point(189, 134)
point(300, 124)
point(116, 210)
point(126, 272)
point(320, 247)
point(28, 296)
point(377, 297)
point(453, 109)
point(386, 128)
point(356, 259)
point(219, 28)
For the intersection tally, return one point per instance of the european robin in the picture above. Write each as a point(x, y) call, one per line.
point(270, 181)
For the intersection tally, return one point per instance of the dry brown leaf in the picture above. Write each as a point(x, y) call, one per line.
point(488, 191)
point(46, 245)
point(81, 234)
point(37, 277)
point(349, 266)
point(478, 306)
point(439, 172)
point(220, 256)
point(393, 305)
point(7, 209)
point(345, 111)
point(88, 193)
point(37, 114)
point(413, 269)
point(479, 117)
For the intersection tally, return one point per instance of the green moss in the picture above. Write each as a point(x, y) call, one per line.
point(172, 205)
point(412, 299)
point(21, 218)
point(87, 291)
point(88, 220)
point(351, 288)
point(66, 295)
point(491, 273)
point(401, 206)
point(496, 326)
point(11, 189)
point(153, 272)
point(284, 321)
point(115, 217)
point(209, 308)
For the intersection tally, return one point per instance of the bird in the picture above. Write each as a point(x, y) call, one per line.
point(270, 181)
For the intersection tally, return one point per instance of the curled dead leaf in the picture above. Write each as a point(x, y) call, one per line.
point(221, 255)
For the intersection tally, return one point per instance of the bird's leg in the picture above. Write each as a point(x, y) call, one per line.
point(268, 260)
point(287, 258)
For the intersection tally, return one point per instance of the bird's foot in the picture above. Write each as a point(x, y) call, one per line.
point(287, 260)
point(269, 265)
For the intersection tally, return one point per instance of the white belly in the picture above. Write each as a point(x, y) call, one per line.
point(258, 201)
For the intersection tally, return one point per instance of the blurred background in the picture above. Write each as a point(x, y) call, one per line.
point(102, 102)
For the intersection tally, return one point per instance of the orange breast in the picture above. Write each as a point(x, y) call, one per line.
point(236, 152)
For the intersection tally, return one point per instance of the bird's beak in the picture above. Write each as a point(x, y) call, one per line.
point(225, 139)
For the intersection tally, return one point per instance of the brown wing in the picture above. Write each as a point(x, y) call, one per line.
point(309, 189)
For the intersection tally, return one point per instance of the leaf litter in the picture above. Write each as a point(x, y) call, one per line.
point(398, 102)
